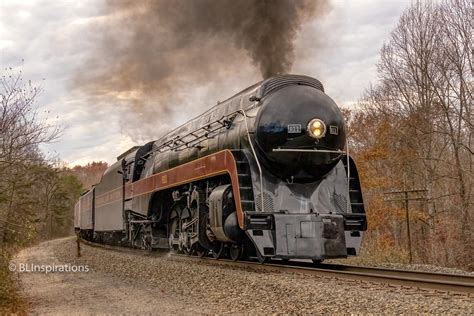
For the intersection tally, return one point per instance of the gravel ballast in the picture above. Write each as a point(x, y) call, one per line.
point(201, 287)
point(400, 266)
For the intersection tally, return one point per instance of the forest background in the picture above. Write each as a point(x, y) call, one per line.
point(411, 134)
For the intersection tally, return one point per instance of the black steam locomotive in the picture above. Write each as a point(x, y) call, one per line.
point(264, 174)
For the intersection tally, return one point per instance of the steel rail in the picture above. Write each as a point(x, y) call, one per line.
point(445, 282)
point(455, 283)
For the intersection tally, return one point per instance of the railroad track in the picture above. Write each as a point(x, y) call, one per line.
point(444, 282)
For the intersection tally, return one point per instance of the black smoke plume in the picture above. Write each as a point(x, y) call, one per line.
point(150, 52)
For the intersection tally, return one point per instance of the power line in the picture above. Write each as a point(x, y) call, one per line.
point(406, 192)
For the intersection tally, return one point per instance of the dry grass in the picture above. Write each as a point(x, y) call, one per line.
point(10, 298)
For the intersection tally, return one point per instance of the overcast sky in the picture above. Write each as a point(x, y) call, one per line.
point(53, 38)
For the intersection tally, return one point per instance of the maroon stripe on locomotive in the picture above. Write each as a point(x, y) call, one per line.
point(221, 162)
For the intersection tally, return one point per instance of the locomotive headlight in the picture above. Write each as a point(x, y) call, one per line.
point(316, 128)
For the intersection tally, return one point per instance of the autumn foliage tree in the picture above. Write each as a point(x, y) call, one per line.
point(414, 128)
point(90, 173)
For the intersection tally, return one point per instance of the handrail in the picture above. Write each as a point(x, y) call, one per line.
point(172, 144)
point(255, 156)
point(348, 177)
point(308, 150)
point(206, 127)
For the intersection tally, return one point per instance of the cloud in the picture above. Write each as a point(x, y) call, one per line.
point(352, 33)
point(53, 38)
point(49, 37)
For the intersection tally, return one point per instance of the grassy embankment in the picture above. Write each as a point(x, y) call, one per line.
point(10, 299)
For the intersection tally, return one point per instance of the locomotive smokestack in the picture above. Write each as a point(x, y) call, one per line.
point(148, 49)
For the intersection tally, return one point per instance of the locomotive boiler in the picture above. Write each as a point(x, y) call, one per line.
point(264, 174)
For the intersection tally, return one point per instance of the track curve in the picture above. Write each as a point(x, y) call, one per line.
point(455, 283)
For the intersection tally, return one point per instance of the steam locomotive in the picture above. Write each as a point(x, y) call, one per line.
point(264, 174)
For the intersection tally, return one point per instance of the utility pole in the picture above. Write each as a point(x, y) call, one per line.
point(406, 197)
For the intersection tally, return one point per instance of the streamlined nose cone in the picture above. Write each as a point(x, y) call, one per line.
point(300, 118)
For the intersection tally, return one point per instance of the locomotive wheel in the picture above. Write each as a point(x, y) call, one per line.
point(207, 241)
point(217, 250)
point(141, 241)
point(201, 251)
point(317, 261)
point(235, 251)
point(188, 252)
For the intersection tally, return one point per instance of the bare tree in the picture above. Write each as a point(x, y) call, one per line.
point(452, 83)
point(22, 130)
point(423, 109)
